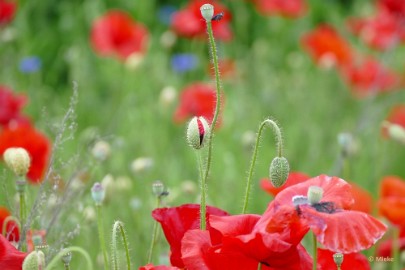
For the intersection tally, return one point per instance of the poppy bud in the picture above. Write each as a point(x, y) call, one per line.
point(157, 188)
point(67, 257)
point(207, 11)
point(34, 261)
point(197, 132)
point(338, 258)
point(98, 193)
point(18, 160)
point(314, 194)
point(279, 170)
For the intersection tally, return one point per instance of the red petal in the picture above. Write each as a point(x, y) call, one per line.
point(176, 221)
point(293, 179)
point(13, 232)
point(158, 267)
point(335, 190)
point(350, 261)
point(393, 209)
point(10, 257)
point(392, 185)
point(344, 231)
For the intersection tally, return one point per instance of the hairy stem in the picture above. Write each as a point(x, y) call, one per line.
point(62, 253)
point(154, 233)
point(101, 235)
point(119, 226)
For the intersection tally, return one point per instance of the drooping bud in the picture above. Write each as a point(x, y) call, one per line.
point(207, 11)
point(197, 132)
point(279, 170)
point(338, 259)
point(314, 194)
point(18, 160)
point(158, 188)
point(34, 261)
point(98, 193)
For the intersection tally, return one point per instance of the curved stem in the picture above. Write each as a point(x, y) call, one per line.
point(279, 142)
point(62, 253)
point(314, 251)
point(119, 225)
point(101, 235)
point(154, 233)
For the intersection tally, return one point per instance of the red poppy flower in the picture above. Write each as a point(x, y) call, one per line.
point(325, 45)
point(383, 31)
point(239, 246)
point(350, 261)
point(369, 77)
point(12, 230)
point(32, 140)
point(339, 230)
point(391, 204)
point(198, 99)
point(287, 8)
point(293, 179)
point(396, 7)
point(10, 106)
point(395, 117)
point(176, 221)
point(7, 11)
point(385, 248)
point(10, 257)
point(116, 34)
point(189, 23)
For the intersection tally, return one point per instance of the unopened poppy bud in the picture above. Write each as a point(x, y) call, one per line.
point(197, 132)
point(34, 261)
point(18, 160)
point(207, 11)
point(314, 194)
point(338, 258)
point(67, 257)
point(98, 193)
point(158, 188)
point(279, 170)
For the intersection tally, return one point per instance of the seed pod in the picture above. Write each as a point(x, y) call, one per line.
point(338, 259)
point(197, 132)
point(314, 194)
point(207, 11)
point(279, 170)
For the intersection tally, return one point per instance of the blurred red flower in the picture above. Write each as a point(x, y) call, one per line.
point(10, 107)
point(391, 203)
point(383, 31)
point(350, 261)
point(363, 201)
point(157, 267)
point(396, 116)
point(293, 178)
point(7, 11)
point(12, 230)
point(32, 140)
point(396, 7)
point(116, 34)
point(327, 47)
point(339, 230)
point(287, 8)
point(10, 257)
point(189, 23)
point(197, 99)
point(176, 221)
point(369, 77)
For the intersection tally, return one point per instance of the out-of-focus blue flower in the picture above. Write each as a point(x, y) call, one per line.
point(183, 62)
point(165, 14)
point(30, 64)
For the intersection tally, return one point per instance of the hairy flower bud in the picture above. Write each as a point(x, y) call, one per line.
point(314, 194)
point(18, 160)
point(279, 170)
point(207, 11)
point(34, 261)
point(197, 132)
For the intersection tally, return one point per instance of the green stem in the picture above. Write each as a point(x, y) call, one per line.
point(154, 233)
point(314, 251)
point(67, 266)
point(62, 253)
point(5, 223)
point(203, 189)
point(213, 50)
point(259, 266)
point(21, 186)
point(346, 168)
point(101, 235)
point(118, 225)
point(279, 142)
point(395, 250)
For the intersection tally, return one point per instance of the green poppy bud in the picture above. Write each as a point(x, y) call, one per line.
point(279, 170)
point(34, 261)
point(197, 132)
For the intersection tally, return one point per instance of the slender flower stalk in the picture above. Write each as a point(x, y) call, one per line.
point(154, 232)
point(279, 142)
point(203, 188)
point(98, 194)
point(21, 186)
point(52, 264)
point(207, 12)
point(119, 226)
